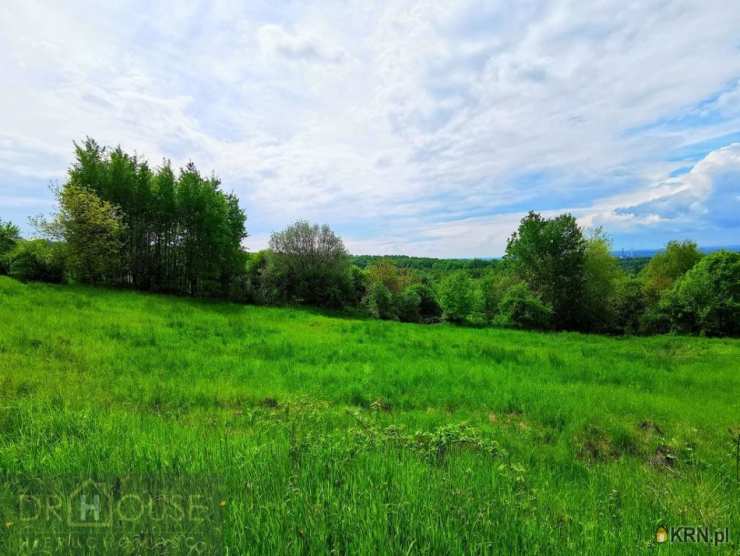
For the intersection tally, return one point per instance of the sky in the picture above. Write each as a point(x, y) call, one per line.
point(423, 128)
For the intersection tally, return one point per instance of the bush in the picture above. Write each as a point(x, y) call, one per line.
point(492, 289)
point(407, 303)
point(359, 284)
point(429, 309)
point(668, 266)
point(379, 302)
point(706, 300)
point(656, 319)
point(257, 283)
point(456, 296)
point(37, 260)
point(9, 237)
point(521, 308)
point(630, 305)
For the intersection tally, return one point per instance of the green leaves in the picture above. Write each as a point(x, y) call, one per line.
point(161, 232)
point(549, 255)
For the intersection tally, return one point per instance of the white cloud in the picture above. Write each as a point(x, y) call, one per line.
point(708, 194)
point(276, 40)
point(406, 125)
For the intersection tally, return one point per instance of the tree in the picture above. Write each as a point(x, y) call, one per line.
point(456, 296)
point(549, 256)
point(387, 273)
point(93, 231)
point(602, 275)
point(706, 300)
point(180, 234)
point(668, 266)
point(521, 308)
point(9, 236)
point(310, 264)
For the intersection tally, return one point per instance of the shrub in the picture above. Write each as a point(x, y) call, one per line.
point(521, 308)
point(260, 287)
point(379, 302)
point(429, 309)
point(630, 305)
point(668, 266)
point(37, 260)
point(456, 296)
point(407, 303)
point(359, 284)
point(9, 237)
point(492, 289)
point(706, 300)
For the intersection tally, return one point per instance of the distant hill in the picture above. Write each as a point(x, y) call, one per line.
point(642, 253)
point(631, 261)
point(428, 263)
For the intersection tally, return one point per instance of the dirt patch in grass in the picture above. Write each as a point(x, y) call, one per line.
point(664, 456)
point(650, 427)
point(595, 445)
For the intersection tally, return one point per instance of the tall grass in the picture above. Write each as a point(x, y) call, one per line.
point(309, 433)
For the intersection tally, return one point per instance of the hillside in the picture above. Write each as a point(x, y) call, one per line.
point(304, 431)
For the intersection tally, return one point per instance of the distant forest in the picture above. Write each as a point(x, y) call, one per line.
point(631, 265)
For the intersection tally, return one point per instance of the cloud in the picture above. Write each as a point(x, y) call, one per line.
point(295, 46)
point(709, 194)
point(416, 126)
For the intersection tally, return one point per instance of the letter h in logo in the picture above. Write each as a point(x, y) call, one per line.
point(90, 505)
point(93, 507)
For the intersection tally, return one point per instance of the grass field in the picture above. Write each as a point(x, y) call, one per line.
point(291, 431)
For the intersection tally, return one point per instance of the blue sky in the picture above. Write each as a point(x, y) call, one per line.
point(424, 128)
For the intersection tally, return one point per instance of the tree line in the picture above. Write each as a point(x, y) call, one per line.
point(122, 223)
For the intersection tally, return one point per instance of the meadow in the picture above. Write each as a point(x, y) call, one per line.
point(309, 432)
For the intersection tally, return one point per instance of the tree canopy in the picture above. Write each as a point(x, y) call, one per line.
point(310, 264)
point(176, 233)
point(549, 255)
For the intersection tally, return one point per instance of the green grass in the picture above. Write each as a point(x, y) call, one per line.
point(310, 433)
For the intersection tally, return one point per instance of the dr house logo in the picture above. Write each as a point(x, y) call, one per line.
point(92, 505)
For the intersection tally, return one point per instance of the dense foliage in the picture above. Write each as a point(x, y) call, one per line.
point(427, 264)
point(549, 255)
point(521, 308)
point(706, 299)
point(163, 231)
point(37, 259)
point(309, 264)
point(10, 235)
point(122, 223)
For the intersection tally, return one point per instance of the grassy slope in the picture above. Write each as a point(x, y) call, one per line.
point(323, 433)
